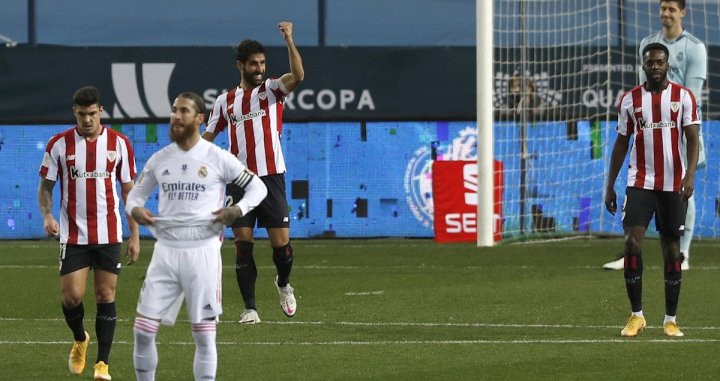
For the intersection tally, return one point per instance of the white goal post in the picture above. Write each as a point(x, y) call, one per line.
point(550, 74)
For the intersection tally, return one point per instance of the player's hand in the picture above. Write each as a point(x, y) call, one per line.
point(227, 215)
point(133, 250)
point(611, 201)
point(143, 216)
point(52, 228)
point(687, 187)
point(286, 30)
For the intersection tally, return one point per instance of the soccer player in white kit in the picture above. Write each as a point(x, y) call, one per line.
point(191, 175)
point(688, 67)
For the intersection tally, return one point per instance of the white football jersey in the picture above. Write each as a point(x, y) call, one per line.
point(191, 185)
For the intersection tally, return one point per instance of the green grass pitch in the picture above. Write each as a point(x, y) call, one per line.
point(395, 309)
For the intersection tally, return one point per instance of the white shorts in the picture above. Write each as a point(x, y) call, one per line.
point(195, 273)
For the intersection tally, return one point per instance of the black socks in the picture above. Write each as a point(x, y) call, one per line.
point(246, 272)
point(74, 319)
point(283, 259)
point(633, 280)
point(105, 329)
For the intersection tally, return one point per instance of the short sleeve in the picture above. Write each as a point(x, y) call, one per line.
point(625, 119)
point(126, 171)
point(689, 105)
point(217, 121)
point(276, 86)
point(50, 163)
point(697, 62)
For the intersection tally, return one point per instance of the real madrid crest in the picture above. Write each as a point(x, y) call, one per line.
point(674, 106)
point(111, 155)
point(202, 172)
point(262, 95)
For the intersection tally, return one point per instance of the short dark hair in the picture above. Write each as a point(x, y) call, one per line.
point(246, 48)
point(680, 3)
point(196, 99)
point(86, 96)
point(656, 46)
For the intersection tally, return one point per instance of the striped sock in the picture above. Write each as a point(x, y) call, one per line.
point(205, 363)
point(145, 352)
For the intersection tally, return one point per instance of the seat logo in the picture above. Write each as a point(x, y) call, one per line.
point(153, 101)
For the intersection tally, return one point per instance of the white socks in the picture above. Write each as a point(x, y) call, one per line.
point(145, 352)
point(668, 319)
point(205, 363)
point(638, 314)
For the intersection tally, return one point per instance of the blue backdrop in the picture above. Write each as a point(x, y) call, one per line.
point(373, 179)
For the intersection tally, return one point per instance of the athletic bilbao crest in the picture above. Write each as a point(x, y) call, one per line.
point(262, 95)
point(674, 106)
point(111, 155)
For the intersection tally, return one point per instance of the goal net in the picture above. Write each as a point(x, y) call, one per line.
point(560, 69)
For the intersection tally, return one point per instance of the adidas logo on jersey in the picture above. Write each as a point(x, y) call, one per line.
point(166, 172)
point(208, 307)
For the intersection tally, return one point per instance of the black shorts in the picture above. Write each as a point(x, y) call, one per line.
point(668, 207)
point(272, 211)
point(104, 257)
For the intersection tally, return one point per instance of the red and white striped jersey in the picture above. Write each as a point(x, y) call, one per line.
point(657, 123)
point(254, 122)
point(87, 172)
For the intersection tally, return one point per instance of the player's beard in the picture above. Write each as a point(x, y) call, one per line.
point(657, 76)
point(182, 134)
point(251, 79)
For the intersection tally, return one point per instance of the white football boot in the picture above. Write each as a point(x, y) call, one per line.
point(249, 317)
point(287, 299)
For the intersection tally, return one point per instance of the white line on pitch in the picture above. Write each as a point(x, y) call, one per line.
point(402, 324)
point(404, 342)
point(483, 325)
point(364, 293)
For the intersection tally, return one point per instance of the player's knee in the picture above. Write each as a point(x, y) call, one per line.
point(105, 294)
point(671, 251)
point(72, 296)
point(204, 334)
point(632, 245)
point(145, 330)
point(283, 253)
point(71, 302)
